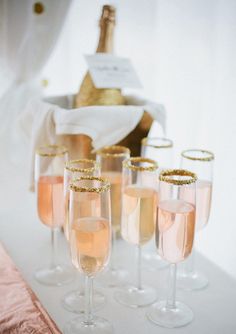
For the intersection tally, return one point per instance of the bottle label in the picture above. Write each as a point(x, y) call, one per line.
point(109, 71)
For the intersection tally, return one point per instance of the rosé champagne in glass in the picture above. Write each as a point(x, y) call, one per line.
point(159, 149)
point(74, 169)
point(74, 301)
point(203, 201)
point(139, 206)
point(174, 240)
point(90, 244)
point(176, 222)
point(49, 168)
point(50, 200)
point(201, 163)
point(115, 178)
point(110, 159)
point(139, 214)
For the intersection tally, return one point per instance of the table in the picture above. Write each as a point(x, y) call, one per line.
point(28, 243)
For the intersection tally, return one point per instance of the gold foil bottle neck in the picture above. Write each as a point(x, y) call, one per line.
point(107, 24)
point(108, 14)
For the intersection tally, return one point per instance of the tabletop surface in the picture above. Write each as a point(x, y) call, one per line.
point(28, 243)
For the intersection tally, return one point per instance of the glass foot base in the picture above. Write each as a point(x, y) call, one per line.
point(79, 326)
point(56, 276)
point(74, 301)
point(152, 261)
point(113, 278)
point(134, 297)
point(170, 318)
point(192, 281)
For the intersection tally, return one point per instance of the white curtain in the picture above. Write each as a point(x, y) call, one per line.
point(27, 40)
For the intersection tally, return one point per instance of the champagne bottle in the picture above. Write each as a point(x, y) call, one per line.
point(88, 94)
point(80, 145)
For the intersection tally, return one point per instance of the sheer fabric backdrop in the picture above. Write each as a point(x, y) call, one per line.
point(27, 40)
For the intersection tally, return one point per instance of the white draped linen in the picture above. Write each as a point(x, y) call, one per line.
point(45, 120)
point(27, 40)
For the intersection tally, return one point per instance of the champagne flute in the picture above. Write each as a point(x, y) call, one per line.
point(174, 240)
point(139, 206)
point(74, 169)
point(49, 167)
point(161, 150)
point(110, 158)
point(90, 244)
point(74, 301)
point(201, 163)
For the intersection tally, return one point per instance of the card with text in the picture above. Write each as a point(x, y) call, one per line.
point(109, 71)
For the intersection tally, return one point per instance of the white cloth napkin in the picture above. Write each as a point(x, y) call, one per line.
point(106, 125)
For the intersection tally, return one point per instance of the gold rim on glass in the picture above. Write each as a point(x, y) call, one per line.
point(70, 166)
point(167, 143)
point(167, 176)
point(104, 187)
point(130, 164)
point(209, 156)
point(56, 150)
point(113, 151)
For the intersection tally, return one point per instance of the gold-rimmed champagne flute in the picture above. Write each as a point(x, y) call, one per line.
point(49, 168)
point(201, 163)
point(139, 206)
point(74, 301)
point(74, 169)
point(110, 159)
point(174, 240)
point(159, 149)
point(90, 244)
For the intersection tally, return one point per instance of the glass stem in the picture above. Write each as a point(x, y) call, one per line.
point(78, 283)
point(112, 266)
point(88, 300)
point(189, 264)
point(54, 243)
point(139, 264)
point(172, 287)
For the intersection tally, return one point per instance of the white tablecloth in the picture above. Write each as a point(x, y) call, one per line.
point(28, 243)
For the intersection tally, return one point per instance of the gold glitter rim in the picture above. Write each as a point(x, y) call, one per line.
point(106, 186)
point(210, 156)
point(128, 164)
point(164, 176)
point(113, 148)
point(40, 151)
point(70, 168)
point(170, 144)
